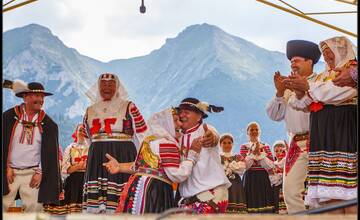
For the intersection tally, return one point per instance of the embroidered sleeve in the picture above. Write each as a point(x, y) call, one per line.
point(87, 129)
point(169, 155)
point(268, 152)
point(140, 125)
point(276, 109)
point(170, 159)
point(243, 150)
point(249, 159)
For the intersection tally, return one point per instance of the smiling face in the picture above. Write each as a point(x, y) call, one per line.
point(189, 118)
point(107, 89)
point(253, 132)
point(34, 101)
point(226, 145)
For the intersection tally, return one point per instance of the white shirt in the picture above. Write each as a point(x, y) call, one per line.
point(24, 155)
point(208, 171)
point(296, 120)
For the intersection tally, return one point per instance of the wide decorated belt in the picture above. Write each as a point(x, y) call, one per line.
point(110, 137)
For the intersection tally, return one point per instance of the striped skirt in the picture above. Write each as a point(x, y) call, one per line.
point(102, 189)
point(332, 164)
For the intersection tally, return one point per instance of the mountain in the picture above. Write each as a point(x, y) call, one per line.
point(203, 61)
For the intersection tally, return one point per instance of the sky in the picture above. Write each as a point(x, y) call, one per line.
point(115, 29)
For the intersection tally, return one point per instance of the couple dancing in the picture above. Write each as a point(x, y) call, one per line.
point(160, 162)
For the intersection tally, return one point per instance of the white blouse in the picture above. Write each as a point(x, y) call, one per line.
point(208, 171)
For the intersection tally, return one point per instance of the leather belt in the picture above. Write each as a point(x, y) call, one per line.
point(25, 168)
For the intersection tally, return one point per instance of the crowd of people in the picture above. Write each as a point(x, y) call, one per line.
point(120, 163)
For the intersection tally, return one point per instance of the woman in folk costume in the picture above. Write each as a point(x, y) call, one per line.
point(114, 126)
point(259, 175)
point(234, 166)
point(73, 167)
point(157, 166)
point(279, 163)
point(332, 165)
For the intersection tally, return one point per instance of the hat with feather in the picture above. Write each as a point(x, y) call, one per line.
point(20, 88)
point(196, 105)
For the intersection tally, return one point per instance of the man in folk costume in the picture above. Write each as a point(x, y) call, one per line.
point(205, 191)
point(30, 150)
point(302, 55)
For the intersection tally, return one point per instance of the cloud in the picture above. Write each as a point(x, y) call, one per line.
point(113, 29)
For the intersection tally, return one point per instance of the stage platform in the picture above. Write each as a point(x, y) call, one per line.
point(42, 216)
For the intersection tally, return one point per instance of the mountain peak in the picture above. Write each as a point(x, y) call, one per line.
point(202, 27)
point(31, 29)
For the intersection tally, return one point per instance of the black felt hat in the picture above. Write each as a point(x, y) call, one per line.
point(303, 48)
point(33, 87)
point(196, 105)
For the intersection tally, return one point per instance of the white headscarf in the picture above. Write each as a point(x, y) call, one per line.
point(161, 125)
point(279, 142)
point(94, 91)
point(343, 50)
point(118, 101)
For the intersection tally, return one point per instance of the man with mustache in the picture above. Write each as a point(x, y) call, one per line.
point(303, 55)
point(30, 150)
point(205, 190)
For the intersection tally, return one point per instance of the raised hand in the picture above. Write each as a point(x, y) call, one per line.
point(297, 82)
point(343, 77)
point(257, 149)
point(210, 138)
point(279, 85)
